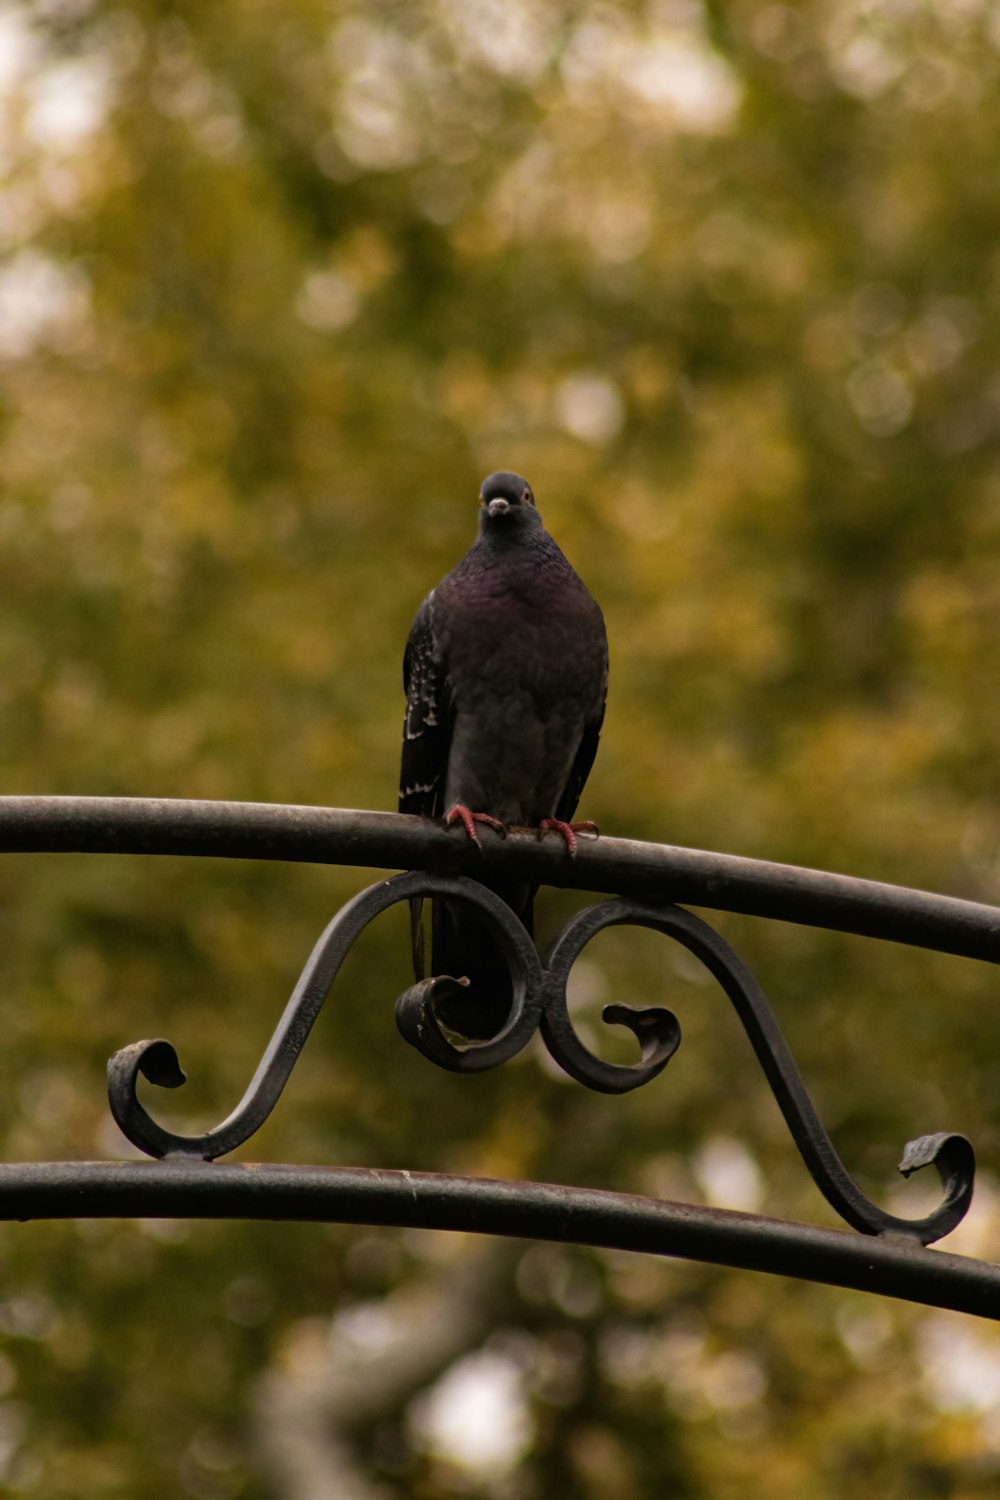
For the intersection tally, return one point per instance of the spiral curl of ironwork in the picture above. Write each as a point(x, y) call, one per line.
point(539, 1003)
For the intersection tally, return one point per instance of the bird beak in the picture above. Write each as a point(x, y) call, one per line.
point(498, 507)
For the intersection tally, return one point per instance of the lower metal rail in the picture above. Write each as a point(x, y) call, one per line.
point(893, 1266)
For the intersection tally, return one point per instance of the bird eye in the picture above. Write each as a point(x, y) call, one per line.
point(526, 497)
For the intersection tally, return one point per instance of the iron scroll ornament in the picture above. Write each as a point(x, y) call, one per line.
point(539, 1003)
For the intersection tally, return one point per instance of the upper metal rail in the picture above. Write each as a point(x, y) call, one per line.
point(648, 880)
point(392, 841)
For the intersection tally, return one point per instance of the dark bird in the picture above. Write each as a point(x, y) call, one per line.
point(505, 673)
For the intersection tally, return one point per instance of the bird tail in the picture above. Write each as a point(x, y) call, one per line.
point(464, 945)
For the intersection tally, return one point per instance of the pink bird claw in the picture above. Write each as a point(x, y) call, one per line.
point(568, 831)
point(459, 813)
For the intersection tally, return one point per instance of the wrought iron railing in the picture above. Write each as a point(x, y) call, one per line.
point(888, 1254)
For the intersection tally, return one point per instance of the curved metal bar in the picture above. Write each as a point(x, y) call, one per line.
point(345, 836)
point(657, 1030)
point(539, 999)
point(416, 1009)
point(157, 1061)
point(951, 1153)
point(182, 1188)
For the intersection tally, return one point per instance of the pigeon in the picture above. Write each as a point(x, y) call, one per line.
point(505, 674)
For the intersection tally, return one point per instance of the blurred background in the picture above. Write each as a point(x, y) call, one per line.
point(279, 283)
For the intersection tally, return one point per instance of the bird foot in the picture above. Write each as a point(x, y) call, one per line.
point(568, 831)
point(461, 814)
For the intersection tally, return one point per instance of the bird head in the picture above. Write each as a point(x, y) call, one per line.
point(507, 499)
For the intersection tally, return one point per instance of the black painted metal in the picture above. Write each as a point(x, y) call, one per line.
point(888, 1257)
point(539, 1001)
point(181, 1188)
point(391, 841)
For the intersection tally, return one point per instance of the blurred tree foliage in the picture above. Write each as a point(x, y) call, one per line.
point(279, 283)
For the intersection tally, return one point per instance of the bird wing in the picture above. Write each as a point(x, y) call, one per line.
point(427, 726)
point(579, 773)
point(586, 751)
